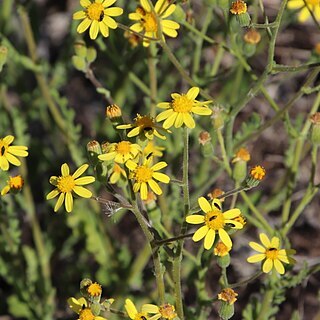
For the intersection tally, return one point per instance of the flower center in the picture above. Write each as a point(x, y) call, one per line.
point(140, 316)
point(3, 148)
point(16, 182)
point(313, 2)
point(95, 11)
point(150, 22)
point(143, 174)
point(214, 220)
point(145, 122)
point(123, 147)
point(182, 104)
point(86, 314)
point(65, 184)
point(272, 253)
point(238, 7)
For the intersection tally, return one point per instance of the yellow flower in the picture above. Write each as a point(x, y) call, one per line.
point(144, 175)
point(271, 253)
point(80, 306)
point(116, 174)
point(258, 173)
point(165, 311)
point(148, 18)
point(242, 155)
point(94, 290)
point(133, 312)
point(8, 153)
point(66, 184)
point(144, 126)
point(97, 15)
point(214, 222)
point(181, 107)
point(14, 184)
point(305, 7)
point(121, 152)
point(228, 295)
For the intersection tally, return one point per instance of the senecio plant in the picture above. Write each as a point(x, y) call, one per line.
point(178, 167)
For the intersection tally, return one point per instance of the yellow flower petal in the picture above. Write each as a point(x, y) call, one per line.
point(225, 238)
point(137, 27)
point(114, 12)
point(161, 177)
point(257, 247)
point(94, 29)
point(134, 132)
point(168, 123)
point(52, 194)
point(295, 4)
point(110, 22)
point(85, 3)
point(200, 233)
point(144, 191)
point(230, 214)
point(68, 202)
point(150, 308)
point(108, 3)
point(202, 111)
point(279, 266)
point(12, 159)
point(80, 171)
point(65, 170)
point(193, 93)
point(275, 242)
point(82, 192)
point(195, 219)
point(79, 15)
point(209, 239)
point(256, 258)
point(188, 120)
point(4, 164)
point(154, 187)
point(8, 139)
point(204, 205)
point(304, 15)
point(84, 180)
point(130, 308)
point(265, 240)
point(145, 5)
point(168, 11)
point(59, 202)
point(104, 29)
point(164, 115)
point(174, 25)
point(170, 32)
point(267, 266)
point(84, 25)
point(158, 166)
point(19, 151)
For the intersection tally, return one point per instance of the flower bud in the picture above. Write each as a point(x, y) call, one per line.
point(256, 174)
point(79, 63)
point(94, 150)
point(205, 144)
point(223, 261)
point(91, 54)
point(84, 284)
point(240, 168)
point(217, 118)
point(14, 185)
point(244, 19)
point(226, 310)
point(80, 49)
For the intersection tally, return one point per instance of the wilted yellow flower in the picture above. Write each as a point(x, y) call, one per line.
point(238, 7)
point(252, 36)
point(165, 311)
point(180, 109)
point(8, 153)
point(66, 184)
point(221, 249)
point(97, 15)
point(228, 295)
point(148, 18)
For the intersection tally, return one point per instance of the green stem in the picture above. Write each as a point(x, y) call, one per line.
point(181, 70)
point(294, 168)
point(43, 85)
point(199, 42)
point(266, 305)
point(217, 61)
point(173, 239)
point(245, 282)
point(303, 67)
point(158, 269)
point(257, 213)
point(178, 254)
point(223, 152)
point(153, 77)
